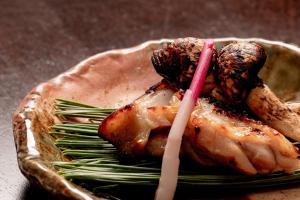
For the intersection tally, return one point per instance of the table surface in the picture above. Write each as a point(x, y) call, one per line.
point(40, 39)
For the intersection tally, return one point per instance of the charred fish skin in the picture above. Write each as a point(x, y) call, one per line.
point(237, 69)
point(213, 135)
point(235, 141)
point(128, 128)
point(177, 61)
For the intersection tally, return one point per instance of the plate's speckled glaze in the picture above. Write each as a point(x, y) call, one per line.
point(112, 79)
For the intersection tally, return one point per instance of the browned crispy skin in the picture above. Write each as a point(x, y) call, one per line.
point(229, 79)
point(213, 135)
point(130, 132)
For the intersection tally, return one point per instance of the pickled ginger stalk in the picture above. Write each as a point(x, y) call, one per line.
point(170, 163)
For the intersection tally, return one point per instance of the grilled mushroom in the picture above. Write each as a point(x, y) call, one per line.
point(232, 79)
point(231, 74)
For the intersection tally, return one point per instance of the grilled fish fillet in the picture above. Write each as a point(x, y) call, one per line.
point(213, 135)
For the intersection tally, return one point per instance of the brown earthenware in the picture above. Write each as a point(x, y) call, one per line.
point(113, 79)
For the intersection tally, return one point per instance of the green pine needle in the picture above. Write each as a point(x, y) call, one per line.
point(97, 160)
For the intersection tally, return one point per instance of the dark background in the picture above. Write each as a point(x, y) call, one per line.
point(40, 39)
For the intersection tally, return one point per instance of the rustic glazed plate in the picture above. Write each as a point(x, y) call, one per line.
point(113, 79)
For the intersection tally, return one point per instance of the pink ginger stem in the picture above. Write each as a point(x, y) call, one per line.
point(170, 164)
point(202, 68)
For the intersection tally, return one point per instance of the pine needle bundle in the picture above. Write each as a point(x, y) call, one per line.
point(96, 165)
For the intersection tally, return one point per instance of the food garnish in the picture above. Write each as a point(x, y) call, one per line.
point(170, 163)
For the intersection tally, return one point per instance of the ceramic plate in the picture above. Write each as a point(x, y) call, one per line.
point(113, 79)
